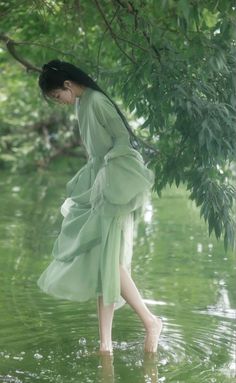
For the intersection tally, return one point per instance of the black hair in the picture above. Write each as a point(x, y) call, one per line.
point(55, 72)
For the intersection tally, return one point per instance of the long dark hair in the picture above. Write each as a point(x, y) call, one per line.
point(55, 72)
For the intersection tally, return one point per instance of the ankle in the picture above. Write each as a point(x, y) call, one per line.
point(106, 346)
point(151, 323)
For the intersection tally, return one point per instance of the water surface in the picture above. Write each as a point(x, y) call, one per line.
point(184, 276)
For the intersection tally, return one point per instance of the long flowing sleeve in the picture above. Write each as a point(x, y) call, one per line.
point(122, 184)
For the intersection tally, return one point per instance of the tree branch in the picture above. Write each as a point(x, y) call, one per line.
point(10, 45)
point(130, 8)
point(100, 46)
point(112, 32)
point(44, 46)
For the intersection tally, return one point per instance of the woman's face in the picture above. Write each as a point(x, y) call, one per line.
point(68, 94)
point(62, 96)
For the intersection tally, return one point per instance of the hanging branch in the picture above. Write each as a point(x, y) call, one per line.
point(130, 8)
point(100, 45)
point(112, 32)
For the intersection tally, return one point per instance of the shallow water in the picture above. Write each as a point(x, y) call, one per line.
point(184, 276)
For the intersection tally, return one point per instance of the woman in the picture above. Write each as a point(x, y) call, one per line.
point(106, 197)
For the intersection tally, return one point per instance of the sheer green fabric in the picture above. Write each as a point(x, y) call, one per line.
point(104, 202)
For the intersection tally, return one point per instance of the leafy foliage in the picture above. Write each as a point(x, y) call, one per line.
point(171, 62)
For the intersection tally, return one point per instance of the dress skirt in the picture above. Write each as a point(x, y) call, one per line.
point(80, 279)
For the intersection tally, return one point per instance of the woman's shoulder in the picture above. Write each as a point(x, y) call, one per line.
point(100, 101)
point(98, 97)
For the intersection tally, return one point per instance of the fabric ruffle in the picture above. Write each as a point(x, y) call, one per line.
point(121, 186)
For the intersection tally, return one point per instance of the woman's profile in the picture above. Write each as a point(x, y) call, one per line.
point(104, 201)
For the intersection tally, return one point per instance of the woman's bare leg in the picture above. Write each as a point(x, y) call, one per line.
point(105, 316)
point(152, 323)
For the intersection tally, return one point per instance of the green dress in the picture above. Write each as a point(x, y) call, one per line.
point(105, 200)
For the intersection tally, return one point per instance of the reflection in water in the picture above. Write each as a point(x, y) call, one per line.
point(148, 212)
point(223, 332)
point(107, 368)
point(150, 368)
point(149, 371)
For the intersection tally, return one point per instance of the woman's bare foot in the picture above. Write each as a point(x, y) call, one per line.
point(152, 335)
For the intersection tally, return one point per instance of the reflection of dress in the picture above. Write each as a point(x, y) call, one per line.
point(106, 198)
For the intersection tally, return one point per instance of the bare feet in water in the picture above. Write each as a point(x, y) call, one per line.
point(152, 335)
